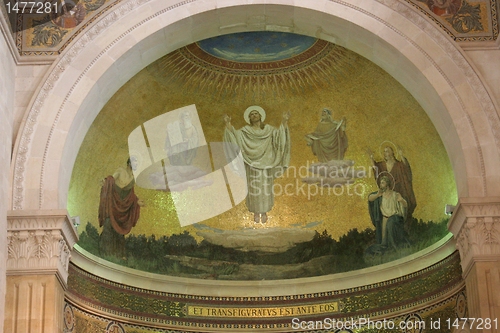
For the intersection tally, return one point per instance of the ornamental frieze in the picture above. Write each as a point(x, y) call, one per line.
point(39, 242)
point(394, 299)
point(476, 228)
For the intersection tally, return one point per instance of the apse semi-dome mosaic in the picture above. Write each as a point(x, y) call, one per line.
point(258, 156)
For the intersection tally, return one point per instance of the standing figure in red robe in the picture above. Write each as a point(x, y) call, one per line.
point(119, 210)
point(400, 171)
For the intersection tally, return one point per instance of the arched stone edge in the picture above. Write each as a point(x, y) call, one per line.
point(459, 58)
point(25, 139)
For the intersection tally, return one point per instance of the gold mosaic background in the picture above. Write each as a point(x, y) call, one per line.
point(377, 109)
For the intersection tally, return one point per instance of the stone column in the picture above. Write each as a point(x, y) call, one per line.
point(39, 246)
point(475, 224)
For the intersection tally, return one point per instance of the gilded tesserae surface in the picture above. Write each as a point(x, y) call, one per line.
point(315, 225)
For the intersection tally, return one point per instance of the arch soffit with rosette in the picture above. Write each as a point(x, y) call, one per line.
point(137, 32)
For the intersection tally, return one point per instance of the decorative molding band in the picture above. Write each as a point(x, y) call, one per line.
point(39, 242)
point(475, 225)
point(481, 46)
point(77, 315)
point(253, 311)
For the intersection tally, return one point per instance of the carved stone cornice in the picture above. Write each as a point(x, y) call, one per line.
point(475, 224)
point(39, 242)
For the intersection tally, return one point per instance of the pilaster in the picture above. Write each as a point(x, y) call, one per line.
point(39, 248)
point(475, 224)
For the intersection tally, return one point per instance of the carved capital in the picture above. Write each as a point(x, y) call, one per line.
point(475, 224)
point(39, 242)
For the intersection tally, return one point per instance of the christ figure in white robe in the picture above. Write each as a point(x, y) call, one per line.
point(266, 151)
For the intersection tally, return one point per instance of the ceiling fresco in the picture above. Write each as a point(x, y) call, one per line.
point(255, 47)
point(464, 21)
point(48, 32)
point(296, 194)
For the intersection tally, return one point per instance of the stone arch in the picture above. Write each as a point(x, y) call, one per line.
point(136, 32)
